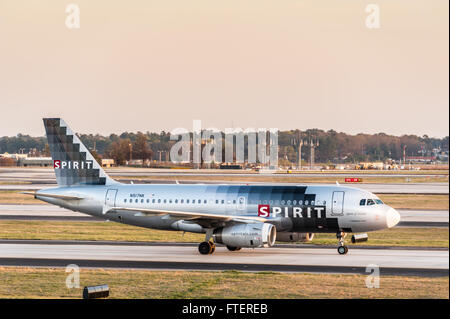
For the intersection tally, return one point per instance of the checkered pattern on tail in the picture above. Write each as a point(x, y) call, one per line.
point(66, 147)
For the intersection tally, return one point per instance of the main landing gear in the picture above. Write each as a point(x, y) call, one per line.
point(342, 249)
point(207, 247)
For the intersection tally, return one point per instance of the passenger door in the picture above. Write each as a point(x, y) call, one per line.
point(337, 203)
point(110, 199)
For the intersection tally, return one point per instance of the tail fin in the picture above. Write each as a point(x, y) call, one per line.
point(73, 163)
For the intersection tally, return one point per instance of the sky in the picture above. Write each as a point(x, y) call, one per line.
point(289, 64)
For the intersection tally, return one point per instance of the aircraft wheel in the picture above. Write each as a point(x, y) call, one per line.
point(342, 250)
point(232, 248)
point(205, 248)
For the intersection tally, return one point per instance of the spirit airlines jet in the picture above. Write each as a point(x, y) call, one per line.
point(234, 215)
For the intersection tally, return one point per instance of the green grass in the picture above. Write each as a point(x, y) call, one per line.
point(70, 230)
point(14, 197)
point(19, 282)
point(399, 201)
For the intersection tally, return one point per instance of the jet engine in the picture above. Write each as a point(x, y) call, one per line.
point(246, 235)
point(295, 237)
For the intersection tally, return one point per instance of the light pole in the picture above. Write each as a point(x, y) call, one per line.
point(299, 143)
point(313, 146)
point(131, 152)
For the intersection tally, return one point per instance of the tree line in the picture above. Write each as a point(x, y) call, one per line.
point(333, 146)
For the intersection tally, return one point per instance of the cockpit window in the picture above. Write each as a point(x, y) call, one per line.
point(379, 201)
point(362, 202)
point(370, 202)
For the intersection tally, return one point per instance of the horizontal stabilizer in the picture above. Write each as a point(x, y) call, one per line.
point(35, 194)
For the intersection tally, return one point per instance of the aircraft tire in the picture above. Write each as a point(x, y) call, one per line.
point(342, 250)
point(205, 248)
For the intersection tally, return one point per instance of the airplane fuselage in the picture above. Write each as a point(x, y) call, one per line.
point(298, 209)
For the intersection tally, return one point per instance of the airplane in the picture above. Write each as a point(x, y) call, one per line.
point(237, 216)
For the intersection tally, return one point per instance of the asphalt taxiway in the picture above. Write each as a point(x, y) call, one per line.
point(411, 262)
point(37, 178)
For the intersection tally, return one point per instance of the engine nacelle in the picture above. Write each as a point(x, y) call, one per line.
point(295, 237)
point(246, 235)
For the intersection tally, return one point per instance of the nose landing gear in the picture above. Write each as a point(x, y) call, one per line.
point(342, 249)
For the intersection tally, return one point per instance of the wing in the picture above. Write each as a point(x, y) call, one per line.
point(203, 219)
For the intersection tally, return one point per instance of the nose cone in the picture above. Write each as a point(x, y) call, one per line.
point(392, 217)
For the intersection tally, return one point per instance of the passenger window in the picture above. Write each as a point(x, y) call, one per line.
point(217, 201)
point(294, 202)
point(176, 201)
point(223, 201)
point(153, 200)
point(205, 201)
point(142, 201)
point(159, 200)
point(148, 200)
point(182, 201)
point(312, 203)
point(125, 200)
point(234, 201)
point(306, 202)
point(187, 201)
point(370, 202)
point(282, 202)
point(362, 202)
point(136, 200)
point(300, 202)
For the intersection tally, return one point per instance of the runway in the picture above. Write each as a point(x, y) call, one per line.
point(38, 178)
point(409, 218)
point(407, 188)
point(409, 262)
